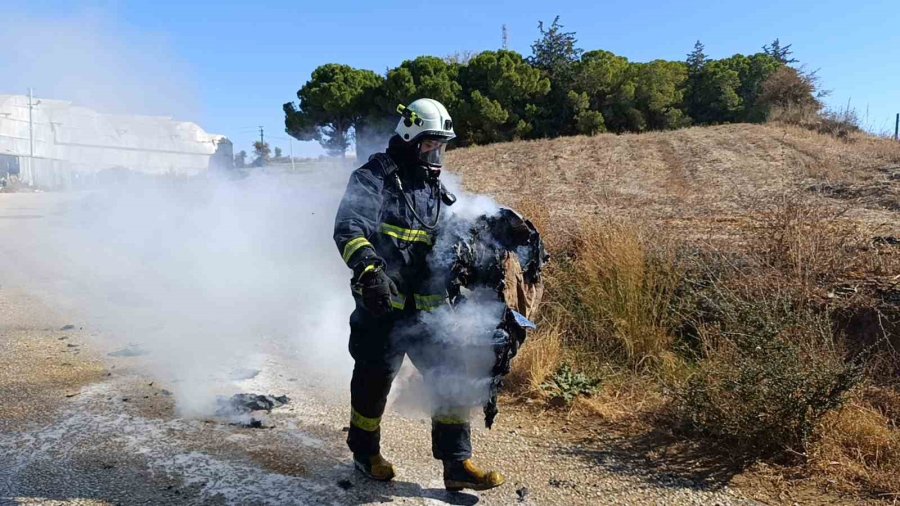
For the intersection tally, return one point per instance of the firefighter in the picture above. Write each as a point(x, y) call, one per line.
point(385, 227)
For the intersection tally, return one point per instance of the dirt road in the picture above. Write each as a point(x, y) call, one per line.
point(78, 426)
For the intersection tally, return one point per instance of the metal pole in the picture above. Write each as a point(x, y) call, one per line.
point(897, 127)
point(291, 144)
point(30, 136)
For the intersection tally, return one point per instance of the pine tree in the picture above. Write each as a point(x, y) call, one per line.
point(332, 103)
point(262, 151)
point(782, 54)
point(555, 48)
point(240, 159)
point(697, 59)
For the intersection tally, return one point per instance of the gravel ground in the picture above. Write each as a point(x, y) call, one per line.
point(78, 426)
point(99, 433)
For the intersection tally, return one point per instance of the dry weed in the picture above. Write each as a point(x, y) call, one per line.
point(624, 398)
point(811, 244)
point(538, 358)
point(859, 448)
point(612, 294)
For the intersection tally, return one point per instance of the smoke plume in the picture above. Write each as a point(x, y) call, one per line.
point(206, 276)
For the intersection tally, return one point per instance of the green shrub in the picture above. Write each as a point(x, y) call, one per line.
point(770, 372)
point(565, 385)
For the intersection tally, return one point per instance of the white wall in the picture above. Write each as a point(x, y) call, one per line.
point(70, 140)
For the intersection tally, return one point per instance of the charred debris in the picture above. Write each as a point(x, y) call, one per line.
point(504, 252)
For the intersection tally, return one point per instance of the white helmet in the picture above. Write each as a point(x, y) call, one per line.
point(426, 120)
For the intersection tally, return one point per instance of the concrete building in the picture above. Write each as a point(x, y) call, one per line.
point(72, 143)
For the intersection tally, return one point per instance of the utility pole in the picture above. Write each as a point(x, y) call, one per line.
point(291, 144)
point(505, 45)
point(897, 127)
point(30, 177)
point(261, 138)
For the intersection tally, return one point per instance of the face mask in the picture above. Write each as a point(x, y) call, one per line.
point(431, 153)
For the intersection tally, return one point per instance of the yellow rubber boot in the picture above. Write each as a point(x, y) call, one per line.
point(375, 467)
point(465, 474)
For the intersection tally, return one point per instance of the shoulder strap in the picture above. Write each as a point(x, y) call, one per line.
point(388, 167)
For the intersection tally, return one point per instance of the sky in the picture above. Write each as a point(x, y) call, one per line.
point(229, 66)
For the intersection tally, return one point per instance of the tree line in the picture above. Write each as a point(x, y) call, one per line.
point(558, 90)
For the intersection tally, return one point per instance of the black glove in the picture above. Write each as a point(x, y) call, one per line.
point(377, 287)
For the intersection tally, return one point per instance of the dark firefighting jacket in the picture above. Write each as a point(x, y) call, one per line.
point(374, 227)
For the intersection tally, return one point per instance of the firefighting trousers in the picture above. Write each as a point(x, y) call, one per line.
point(378, 346)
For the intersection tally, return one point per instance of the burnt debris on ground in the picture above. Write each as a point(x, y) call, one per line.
point(248, 410)
point(246, 403)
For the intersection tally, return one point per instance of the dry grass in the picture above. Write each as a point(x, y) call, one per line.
point(858, 448)
point(611, 293)
point(625, 398)
point(703, 183)
point(538, 359)
point(812, 245)
point(650, 232)
point(804, 241)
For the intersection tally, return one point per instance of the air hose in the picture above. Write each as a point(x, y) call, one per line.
point(436, 186)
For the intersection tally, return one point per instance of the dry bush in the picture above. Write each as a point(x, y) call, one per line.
point(536, 361)
point(789, 96)
point(842, 124)
point(611, 293)
point(884, 400)
point(858, 447)
point(839, 123)
point(801, 240)
point(828, 260)
point(772, 370)
point(800, 115)
point(787, 88)
point(812, 245)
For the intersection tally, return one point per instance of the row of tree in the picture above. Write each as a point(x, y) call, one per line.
point(558, 90)
point(263, 155)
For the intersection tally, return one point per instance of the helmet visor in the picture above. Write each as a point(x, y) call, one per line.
point(431, 152)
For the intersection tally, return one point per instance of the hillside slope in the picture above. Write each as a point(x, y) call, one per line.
point(704, 180)
point(697, 251)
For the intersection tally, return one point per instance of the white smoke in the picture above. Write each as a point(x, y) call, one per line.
point(206, 275)
point(468, 206)
point(454, 350)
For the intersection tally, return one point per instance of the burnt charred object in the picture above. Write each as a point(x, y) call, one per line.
point(244, 410)
point(505, 253)
point(482, 253)
point(247, 403)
